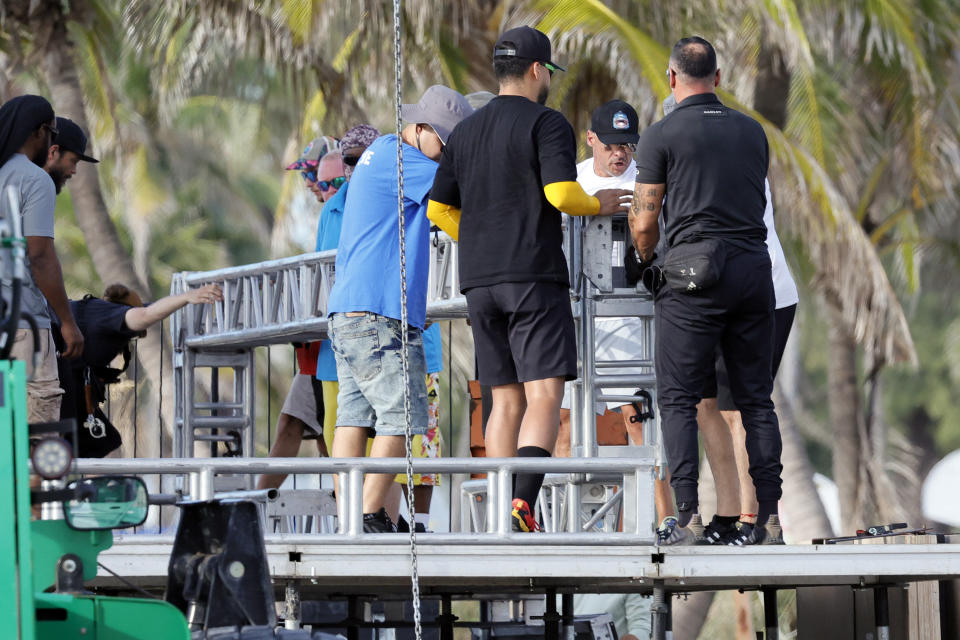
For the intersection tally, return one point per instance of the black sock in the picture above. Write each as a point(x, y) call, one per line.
point(527, 485)
point(767, 508)
point(685, 511)
point(726, 521)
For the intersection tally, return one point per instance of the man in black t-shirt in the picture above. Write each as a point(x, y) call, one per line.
point(506, 173)
point(711, 163)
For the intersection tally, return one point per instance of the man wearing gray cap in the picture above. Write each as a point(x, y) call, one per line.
point(365, 303)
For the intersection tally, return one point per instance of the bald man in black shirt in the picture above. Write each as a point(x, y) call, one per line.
point(711, 162)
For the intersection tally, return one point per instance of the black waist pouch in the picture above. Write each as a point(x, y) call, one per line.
point(694, 266)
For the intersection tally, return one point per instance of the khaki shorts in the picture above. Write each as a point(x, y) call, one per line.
point(302, 403)
point(43, 386)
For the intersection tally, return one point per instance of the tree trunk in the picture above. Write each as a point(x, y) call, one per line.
point(843, 399)
point(772, 89)
point(110, 258)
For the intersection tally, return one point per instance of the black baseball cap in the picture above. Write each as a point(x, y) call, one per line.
point(615, 122)
point(70, 137)
point(526, 43)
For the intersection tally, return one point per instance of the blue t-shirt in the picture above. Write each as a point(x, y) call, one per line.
point(433, 348)
point(368, 259)
point(328, 236)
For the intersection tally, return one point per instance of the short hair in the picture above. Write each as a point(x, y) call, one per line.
point(694, 57)
point(510, 68)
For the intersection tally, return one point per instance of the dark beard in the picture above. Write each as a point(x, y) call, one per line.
point(58, 178)
point(542, 96)
point(40, 157)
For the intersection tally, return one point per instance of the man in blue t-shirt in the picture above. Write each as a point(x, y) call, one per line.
point(365, 304)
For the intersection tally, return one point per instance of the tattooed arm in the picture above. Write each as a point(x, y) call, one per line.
point(647, 201)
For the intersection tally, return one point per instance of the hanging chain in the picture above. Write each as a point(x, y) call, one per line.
point(408, 432)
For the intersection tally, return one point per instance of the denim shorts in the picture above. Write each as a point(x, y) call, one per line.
point(370, 371)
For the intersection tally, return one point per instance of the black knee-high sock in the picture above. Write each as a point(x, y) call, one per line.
point(527, 485)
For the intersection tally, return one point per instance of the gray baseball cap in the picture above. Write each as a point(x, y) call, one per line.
point(440, 107)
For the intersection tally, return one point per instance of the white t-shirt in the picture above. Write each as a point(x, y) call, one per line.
point(616, 338)
point(36, 195)
point(784, 288)
point(783, 285)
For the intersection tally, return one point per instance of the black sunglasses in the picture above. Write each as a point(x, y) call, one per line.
point(351, 161)
point(53, 130)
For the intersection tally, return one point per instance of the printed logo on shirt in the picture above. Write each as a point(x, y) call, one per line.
point(365, 158)
point(621, 121)
point(715, 113)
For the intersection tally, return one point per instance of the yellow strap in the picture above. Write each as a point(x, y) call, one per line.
point(570, 198)
point(445, 216)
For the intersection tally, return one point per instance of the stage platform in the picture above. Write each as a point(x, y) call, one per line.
point(325, 566)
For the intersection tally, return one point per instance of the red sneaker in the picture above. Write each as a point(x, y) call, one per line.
point(523, 519)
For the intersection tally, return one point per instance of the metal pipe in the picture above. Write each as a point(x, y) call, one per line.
point(504, 500)
point(366, 465)
point(658, 612)
point(622, 364)
point(624, 380)
point(588, 418)
point(354, 497)
point(253, 495)
point(881, 612)
point(771, 623)
point(201, 484)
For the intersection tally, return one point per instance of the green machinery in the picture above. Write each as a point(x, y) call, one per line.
point(43, 563)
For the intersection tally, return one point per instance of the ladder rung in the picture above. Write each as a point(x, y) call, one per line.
point(218, 406)
point(206, 437)
point(219, 422)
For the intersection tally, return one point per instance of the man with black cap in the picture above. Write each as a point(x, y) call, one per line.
point(365, 303)
point(711, 163)
point(506, 174)
point(27, 130)
point(66, 152)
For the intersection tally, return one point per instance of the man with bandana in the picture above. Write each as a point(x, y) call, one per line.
point(27, 130)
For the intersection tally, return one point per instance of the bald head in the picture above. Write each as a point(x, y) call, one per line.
point(694, 61)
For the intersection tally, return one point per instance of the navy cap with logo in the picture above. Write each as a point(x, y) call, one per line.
point(526, 43)
point(615, 122)
point(70, 137)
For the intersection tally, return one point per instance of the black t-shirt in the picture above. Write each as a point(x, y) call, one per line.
point(713, 160)
point(493, 169)
point(105, 336)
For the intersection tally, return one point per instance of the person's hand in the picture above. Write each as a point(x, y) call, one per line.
point(205, 294)
point(72, 339)
point(614, 201)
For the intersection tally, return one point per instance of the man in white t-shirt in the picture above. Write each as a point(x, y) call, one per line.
point(613, 133)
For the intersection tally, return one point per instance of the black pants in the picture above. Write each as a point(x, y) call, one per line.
point(736, 314)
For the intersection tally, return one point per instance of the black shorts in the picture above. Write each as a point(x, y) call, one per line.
point(718, 385)
point(522, 331)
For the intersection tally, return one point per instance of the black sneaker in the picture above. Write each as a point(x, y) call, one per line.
point(717, 534)
point(747, 534)
point(378, 522)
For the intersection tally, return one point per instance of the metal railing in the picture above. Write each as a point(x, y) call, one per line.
point(637, 475)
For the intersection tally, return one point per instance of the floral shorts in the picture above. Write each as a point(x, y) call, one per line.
point(429, 444)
